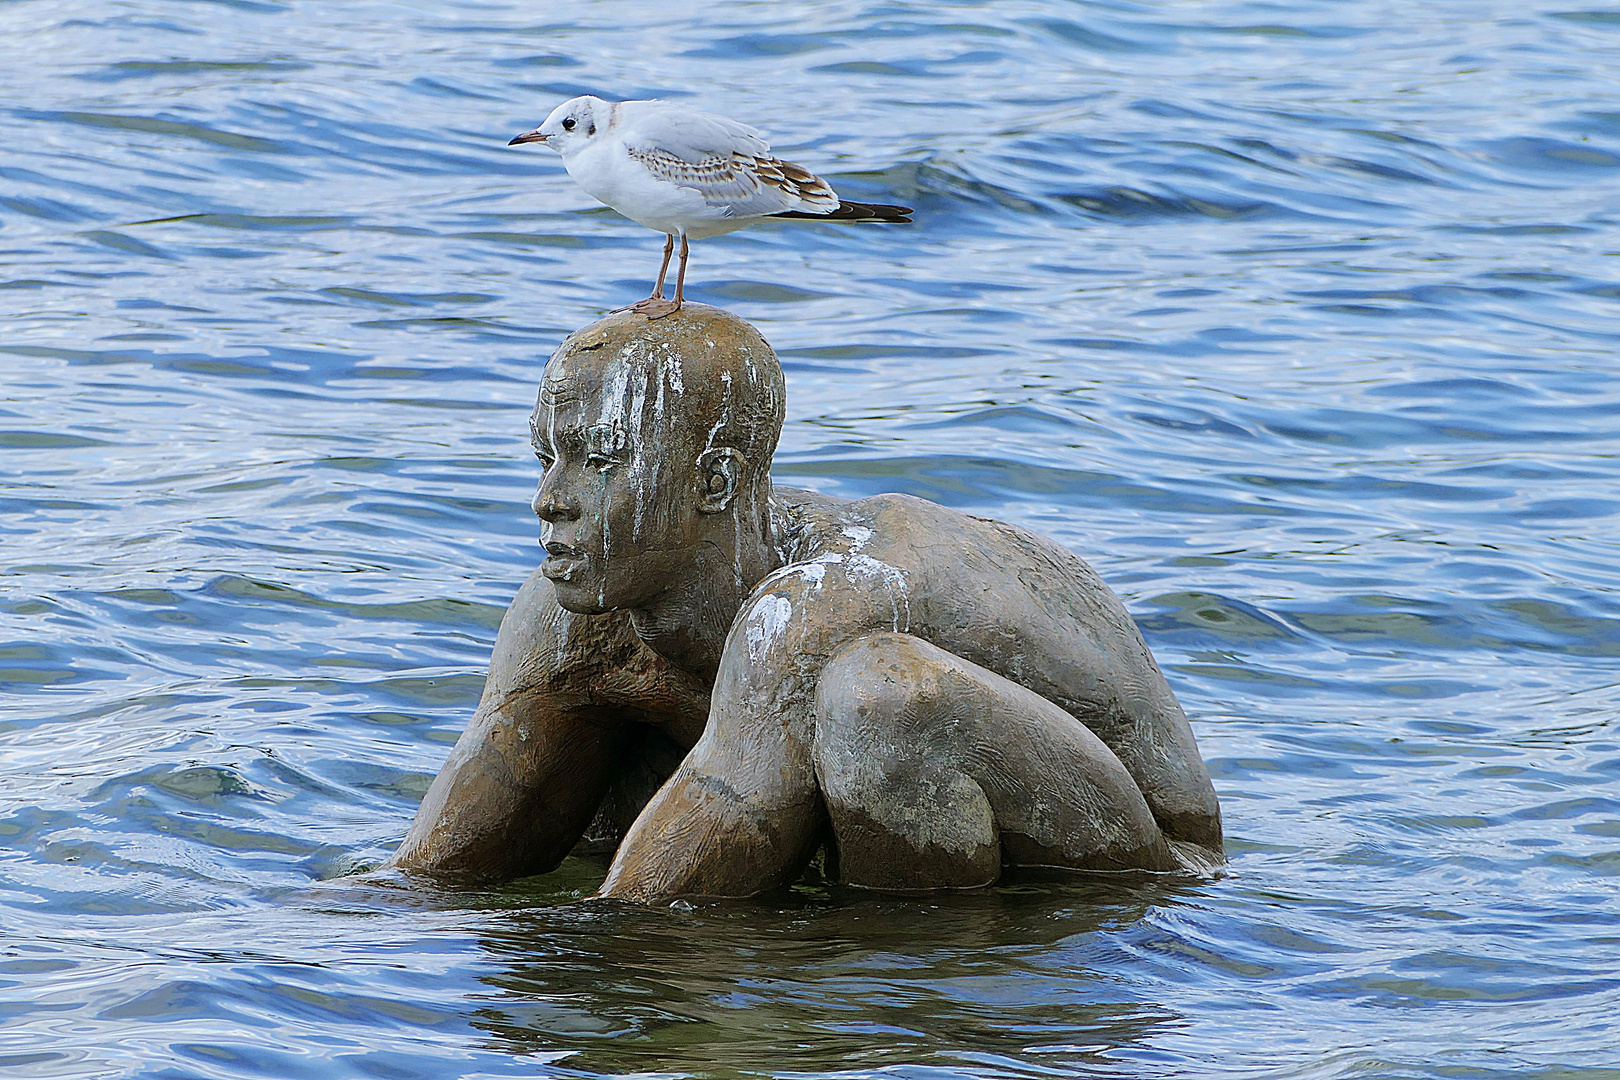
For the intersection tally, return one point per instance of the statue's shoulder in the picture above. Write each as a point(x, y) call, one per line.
point(940, 550)
point(807, 523)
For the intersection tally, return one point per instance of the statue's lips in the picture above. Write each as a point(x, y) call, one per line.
point(561, 562)
point(562, 568)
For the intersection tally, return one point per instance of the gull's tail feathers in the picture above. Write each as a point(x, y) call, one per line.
point(854, 211)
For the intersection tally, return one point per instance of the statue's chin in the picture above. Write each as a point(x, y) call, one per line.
point(576, 590)
point(579, 601)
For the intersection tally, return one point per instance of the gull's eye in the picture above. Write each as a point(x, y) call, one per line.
point(569, 124)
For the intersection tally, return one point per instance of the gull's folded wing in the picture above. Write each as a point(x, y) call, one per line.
point(728, 163)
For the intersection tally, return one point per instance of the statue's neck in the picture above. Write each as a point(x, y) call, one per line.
point(687, 625)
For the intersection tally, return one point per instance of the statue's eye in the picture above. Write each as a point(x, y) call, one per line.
point(603, 445)
point(568, 124)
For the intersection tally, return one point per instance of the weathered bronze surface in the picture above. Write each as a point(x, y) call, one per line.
point(929, 694)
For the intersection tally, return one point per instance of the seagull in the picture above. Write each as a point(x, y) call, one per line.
point(688, 174)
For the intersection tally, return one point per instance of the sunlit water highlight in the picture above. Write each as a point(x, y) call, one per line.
point(1298, 320)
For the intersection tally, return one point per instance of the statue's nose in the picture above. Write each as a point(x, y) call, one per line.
point(551, 506)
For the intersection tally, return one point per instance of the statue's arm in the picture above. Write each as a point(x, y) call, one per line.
point(526, 776)
point(742, 814)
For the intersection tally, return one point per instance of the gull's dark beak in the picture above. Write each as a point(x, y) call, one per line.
point(529, 136)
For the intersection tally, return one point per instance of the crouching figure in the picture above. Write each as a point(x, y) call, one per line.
point(716, 678)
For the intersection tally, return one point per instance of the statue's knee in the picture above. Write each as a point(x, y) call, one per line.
point(883, 681)
point(905, 815)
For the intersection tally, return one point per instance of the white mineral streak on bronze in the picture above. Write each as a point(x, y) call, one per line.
point(766, 623)
point(893, 580)
point(643, 464)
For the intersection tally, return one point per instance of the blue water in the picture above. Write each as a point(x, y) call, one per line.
point(1298, 320)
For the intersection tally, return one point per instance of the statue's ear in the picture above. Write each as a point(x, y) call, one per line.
point(719, 478)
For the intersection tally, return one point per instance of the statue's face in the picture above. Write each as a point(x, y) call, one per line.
point(616, 504)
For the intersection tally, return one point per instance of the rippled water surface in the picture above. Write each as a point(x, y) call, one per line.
point(1298, 320)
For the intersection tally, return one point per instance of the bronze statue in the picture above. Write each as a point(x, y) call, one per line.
point(926, 694)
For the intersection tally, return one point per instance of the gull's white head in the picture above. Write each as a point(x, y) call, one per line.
point(571, 125)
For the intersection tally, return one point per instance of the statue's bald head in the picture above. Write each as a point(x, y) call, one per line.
point(667, 395)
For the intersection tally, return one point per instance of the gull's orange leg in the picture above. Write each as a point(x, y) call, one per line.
point(658, 289)
point(655, 306)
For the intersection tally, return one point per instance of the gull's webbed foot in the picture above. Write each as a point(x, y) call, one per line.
point(655, 307)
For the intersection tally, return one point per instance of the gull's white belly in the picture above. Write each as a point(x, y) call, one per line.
point(610, 175)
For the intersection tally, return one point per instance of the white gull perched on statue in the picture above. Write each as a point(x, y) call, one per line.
point(687, 174)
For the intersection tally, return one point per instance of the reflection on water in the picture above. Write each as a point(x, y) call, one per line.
point(828, 981)
point(1298, 321)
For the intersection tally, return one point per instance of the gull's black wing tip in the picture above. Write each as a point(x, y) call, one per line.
point(854, 211)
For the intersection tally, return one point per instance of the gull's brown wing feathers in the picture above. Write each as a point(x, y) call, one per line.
point(747, 185)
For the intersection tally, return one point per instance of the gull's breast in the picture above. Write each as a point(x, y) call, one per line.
point(610, 175)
